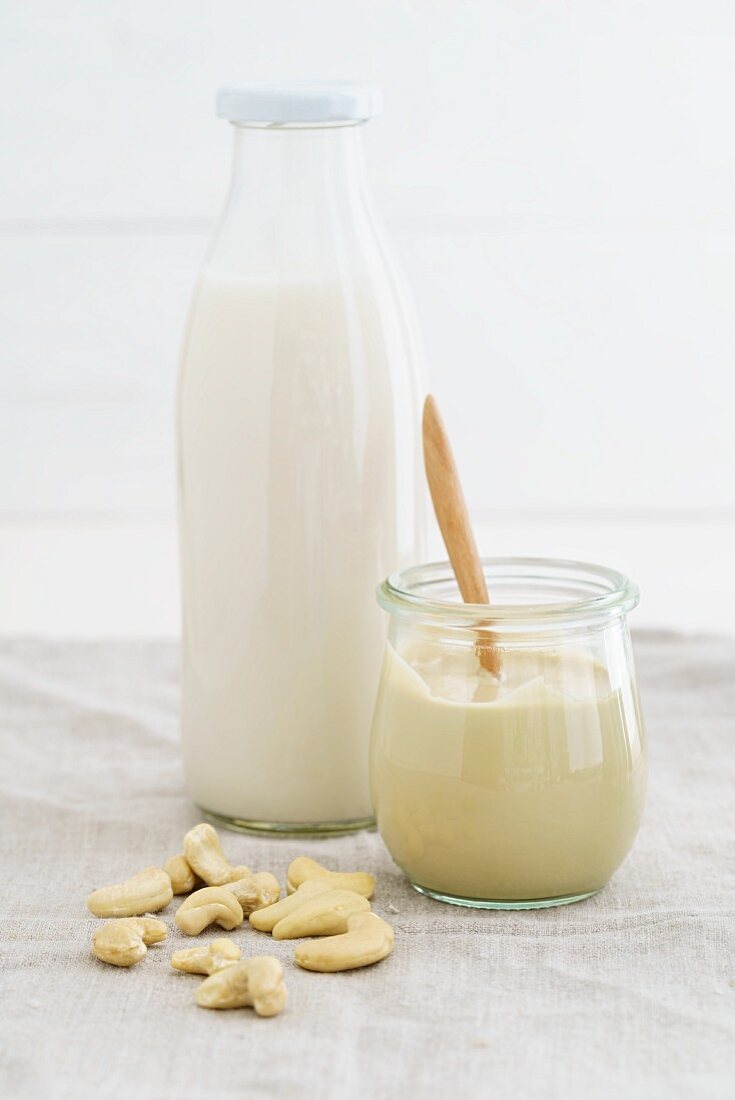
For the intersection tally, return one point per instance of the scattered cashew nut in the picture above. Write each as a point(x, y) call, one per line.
point(124, 942)
point(367, 940)
point(257, 981)
point(203, 853)
point(303, 869)
point(207, 960)
point(146, 892)
point(211, 905)
point(256, 891)
point(326, 914)
point(265, 920)
point(183, 879)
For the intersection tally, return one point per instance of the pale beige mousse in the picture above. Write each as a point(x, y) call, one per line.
point(524, 789)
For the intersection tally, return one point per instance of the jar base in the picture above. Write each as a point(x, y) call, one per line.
point(288, 828)
point(485, 903)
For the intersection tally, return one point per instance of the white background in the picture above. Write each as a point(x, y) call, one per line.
point(559, 179)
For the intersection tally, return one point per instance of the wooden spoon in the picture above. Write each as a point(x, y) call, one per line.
point(454, 524)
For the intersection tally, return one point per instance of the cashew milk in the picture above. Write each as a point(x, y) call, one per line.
point(298, 413)
point(527, 788)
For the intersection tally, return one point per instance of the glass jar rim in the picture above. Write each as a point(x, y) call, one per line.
point(602, 592)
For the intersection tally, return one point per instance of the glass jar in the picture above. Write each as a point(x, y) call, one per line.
point(300, 479)
point(521, 790)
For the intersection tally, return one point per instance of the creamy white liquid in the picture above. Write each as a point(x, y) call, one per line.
point(298, 472)
point(526, 789)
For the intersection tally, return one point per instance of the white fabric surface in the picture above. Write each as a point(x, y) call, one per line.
point(631, 993)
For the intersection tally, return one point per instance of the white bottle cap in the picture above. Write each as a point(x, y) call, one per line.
point(310, 101)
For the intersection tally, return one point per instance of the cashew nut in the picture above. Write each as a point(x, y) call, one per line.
point(124, 942)
point(367, 940)
point(146, 892)
point(204, 855)
point(183, 879)
point(257, 981)
point(256, 891)
point(266, 919)
point(304, 868)
point(207, 960)
point(326, 914)
point(211, 905)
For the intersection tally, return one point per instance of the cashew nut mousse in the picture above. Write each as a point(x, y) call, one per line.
point(520, 789)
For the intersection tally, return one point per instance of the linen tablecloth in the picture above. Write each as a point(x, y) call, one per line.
point(629, 994)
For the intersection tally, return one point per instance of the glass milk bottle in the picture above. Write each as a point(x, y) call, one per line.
point(299, 468)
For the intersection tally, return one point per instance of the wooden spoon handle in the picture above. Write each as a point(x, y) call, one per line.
point(454, 522)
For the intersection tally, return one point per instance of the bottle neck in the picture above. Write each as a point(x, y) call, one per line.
point(299, 205)
point(305, 163)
